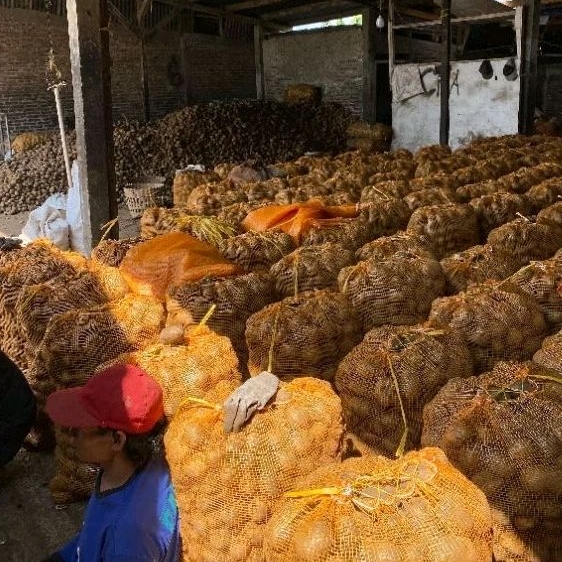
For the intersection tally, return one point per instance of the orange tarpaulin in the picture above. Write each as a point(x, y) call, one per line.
point(297, 218)
point(151, 267)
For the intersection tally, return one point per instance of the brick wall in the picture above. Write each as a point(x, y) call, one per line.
point(550, 85)
point(330, 58)
point(218, 68)
point(25, 38)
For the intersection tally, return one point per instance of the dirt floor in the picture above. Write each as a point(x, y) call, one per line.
point(11, 225)
point(31, 526)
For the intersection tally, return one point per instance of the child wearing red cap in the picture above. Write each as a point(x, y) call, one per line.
point(132, 515)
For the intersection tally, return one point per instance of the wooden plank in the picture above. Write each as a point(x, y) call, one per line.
point(370, 65)
point(163, 22)
point(91, 84)
point(260, 70)
point(467, 19)
point(250, 4)
point(308, 10)
point(445, 117)
point(530, 43)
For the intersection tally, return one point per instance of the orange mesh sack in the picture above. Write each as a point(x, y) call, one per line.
point(426, 197)
point(310, 267)
point(545, 193)
point(549, 355)
point(30, 265)
point(450, 228)
point(523, 179)
point(527, 239)
point(185, 181)
point(74, 480)
point(234, 300)
point(397, 290)
point(191, 365)
point(37, 304)
point(110, 280)
point(418, 508)
point(307, 334)
point(385, 190)
point(499, 322)
point(349, 233)
point(432, 153)
point(386, 380)
point(465, 193)
point(476, 265)
point(386, 246)
point(153, 266)
point(78, 341)
point(551, 215)
point(157, 220)
point(257, 250)
point(497, 209)
point(236, 213)
point(227, 485)
point(210, 198)
point(543, 281)
point(385, 217)
point(443, 165)
point(502, 430)
point(112, 252)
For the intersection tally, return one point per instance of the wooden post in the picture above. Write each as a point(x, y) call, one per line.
point(444, 122)
point(144, 80)
point(391, 47)
point(89, 57)
point(529, 48)
point(370, 65)
point(258, 52)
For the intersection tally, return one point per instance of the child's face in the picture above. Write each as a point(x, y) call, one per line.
point(93, 445)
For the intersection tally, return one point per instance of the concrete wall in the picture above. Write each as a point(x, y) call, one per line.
point(217, 68)
point(478, 106)
point(24, 45)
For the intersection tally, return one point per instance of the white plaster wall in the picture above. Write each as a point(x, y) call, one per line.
point(477, 106)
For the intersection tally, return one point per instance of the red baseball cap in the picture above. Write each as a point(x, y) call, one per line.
point(121, 397)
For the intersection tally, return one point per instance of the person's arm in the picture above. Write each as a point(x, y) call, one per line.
point(69, 552)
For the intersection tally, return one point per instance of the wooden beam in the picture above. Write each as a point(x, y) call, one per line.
point(369, 31)
point(445, 118)
point(142, 7)
point(222, 12)
point(144, 80)
point(530, 43)
point(91, 83)
point(163, 22)
point(120, 18)
point(419, 14)
point(250, 4)
point(260, 70)
point(391, 44)
point(307, 10)
point(467, 19)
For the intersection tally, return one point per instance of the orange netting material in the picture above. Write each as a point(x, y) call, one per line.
point(298, 218)
point(189, 368)
point(503, 430)
point(153, 266)
point(227, 485)
point(415, 509)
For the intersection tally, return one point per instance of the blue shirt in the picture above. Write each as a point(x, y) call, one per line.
point(137, 522)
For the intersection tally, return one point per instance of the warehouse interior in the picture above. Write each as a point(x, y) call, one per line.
point(361, 197)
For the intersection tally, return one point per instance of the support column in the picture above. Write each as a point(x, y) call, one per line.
point(144, 81)
point(370, 65)
point(258, 52)
point(529, 48)
point(445, 119)
point(90, 64)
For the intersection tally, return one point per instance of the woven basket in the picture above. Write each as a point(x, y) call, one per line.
point(144, 193)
